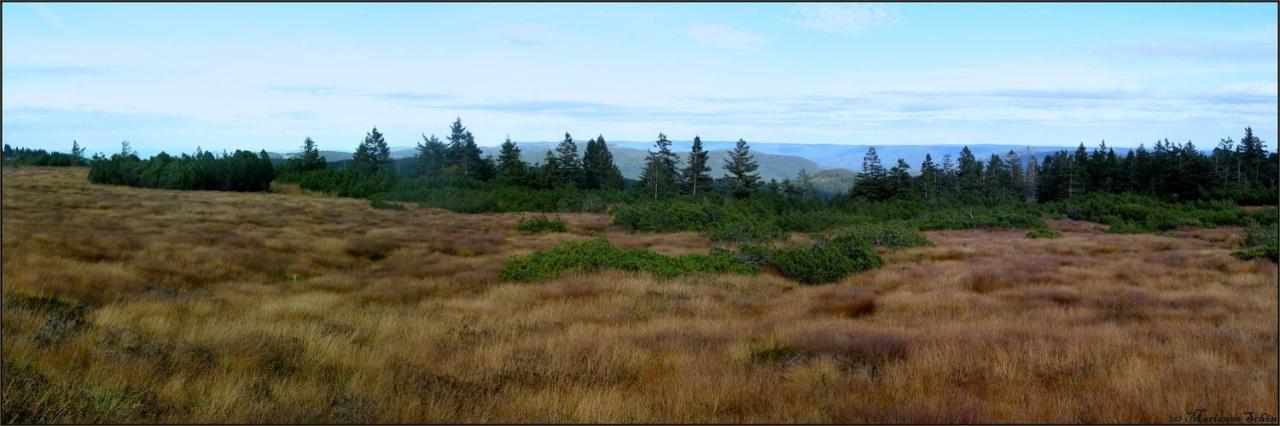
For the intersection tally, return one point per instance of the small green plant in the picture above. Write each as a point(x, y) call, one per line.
point(1043, 233)
point(599, 254)
point(540, 224)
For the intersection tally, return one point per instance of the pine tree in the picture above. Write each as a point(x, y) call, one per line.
point(900, 178)
point(433, 156)
point(969, 172)
point(741, 170)
point(598, 169)
point(550, 171)
point(806, 182)
point(311, 159)
point(511, 169)
point(568, 162)
point(659, 176)
point(464, 154)
point(1030, 178)
point(695, 177)
point(77, 152)
point(930, 178)
point(873, 182)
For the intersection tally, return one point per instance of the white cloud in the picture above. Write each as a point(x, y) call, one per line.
point(844, 18)
point(532, 34)
point(723, 36)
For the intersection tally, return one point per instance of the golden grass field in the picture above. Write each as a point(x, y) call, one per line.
point(285, 307)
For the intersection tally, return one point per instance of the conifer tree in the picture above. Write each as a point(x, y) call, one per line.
point(659, 177)
point(433, 156)
point(511, 169)
point(569, 164)
point(740, 168)
point(694, 177)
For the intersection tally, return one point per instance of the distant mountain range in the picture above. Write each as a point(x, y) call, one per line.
point(777, 160)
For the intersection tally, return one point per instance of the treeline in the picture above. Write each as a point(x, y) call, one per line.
point(40, 157)
point(441, 169)
point(239, 171)
point(1245, 173)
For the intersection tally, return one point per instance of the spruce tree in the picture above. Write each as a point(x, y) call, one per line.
point(659, 177)
point(511, 169)
point(805, 181)
point(740, 168)
point(900, 178)
point(433, 156)
point(311, 159)
point(694, 177)
point(873, 182)
point(569, 164)
point(550, 172)
point(930, 178)
point(598, 169)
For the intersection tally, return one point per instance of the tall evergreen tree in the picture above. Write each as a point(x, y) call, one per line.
point(930, 181)
point(598, 169)
point(873, 181)
point(511, 169)
point(969, 172)
point(550, 172)
point(659, 177)
point(900, 178)
point(740, 168)
point(311, 159)
point(695, 176)
point(569, 164)
point(432, 156)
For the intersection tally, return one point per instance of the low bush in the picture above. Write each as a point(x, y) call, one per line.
point(540, 224)
point(1043, 233)
point(824, 261)
point(888, 235)
point(1268, 251)
point(1129, 214)
point(599, 254)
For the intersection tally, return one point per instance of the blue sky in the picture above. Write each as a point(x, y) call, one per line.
point(225, 76)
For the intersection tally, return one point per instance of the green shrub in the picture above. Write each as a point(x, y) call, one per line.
point(1268, 251)
point(599, 254)
point(1043, 233)
point(888, 235)
point(824, 261)
point(1132, 214)
point(540, 224)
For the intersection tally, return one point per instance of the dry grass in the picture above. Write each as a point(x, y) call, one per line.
point(134, 305)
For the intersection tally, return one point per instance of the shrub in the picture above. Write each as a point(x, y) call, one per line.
point(1043, 233)
point(887, 235)
point(599, 254)
point(540, 224)
point(1269, 251)
point(824, 261)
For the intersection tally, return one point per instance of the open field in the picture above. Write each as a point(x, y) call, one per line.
point(138, 305)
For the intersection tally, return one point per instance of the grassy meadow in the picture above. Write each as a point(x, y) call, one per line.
point(156, 306)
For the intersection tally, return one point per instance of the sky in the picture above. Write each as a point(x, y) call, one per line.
point(265, 76)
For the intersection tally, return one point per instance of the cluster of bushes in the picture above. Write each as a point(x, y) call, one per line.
point(1128, 213)
point(240, 171)
point(540, 224)
point(832, 257)
point(1262, 240)
point(599, 254)
point(894, 235)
